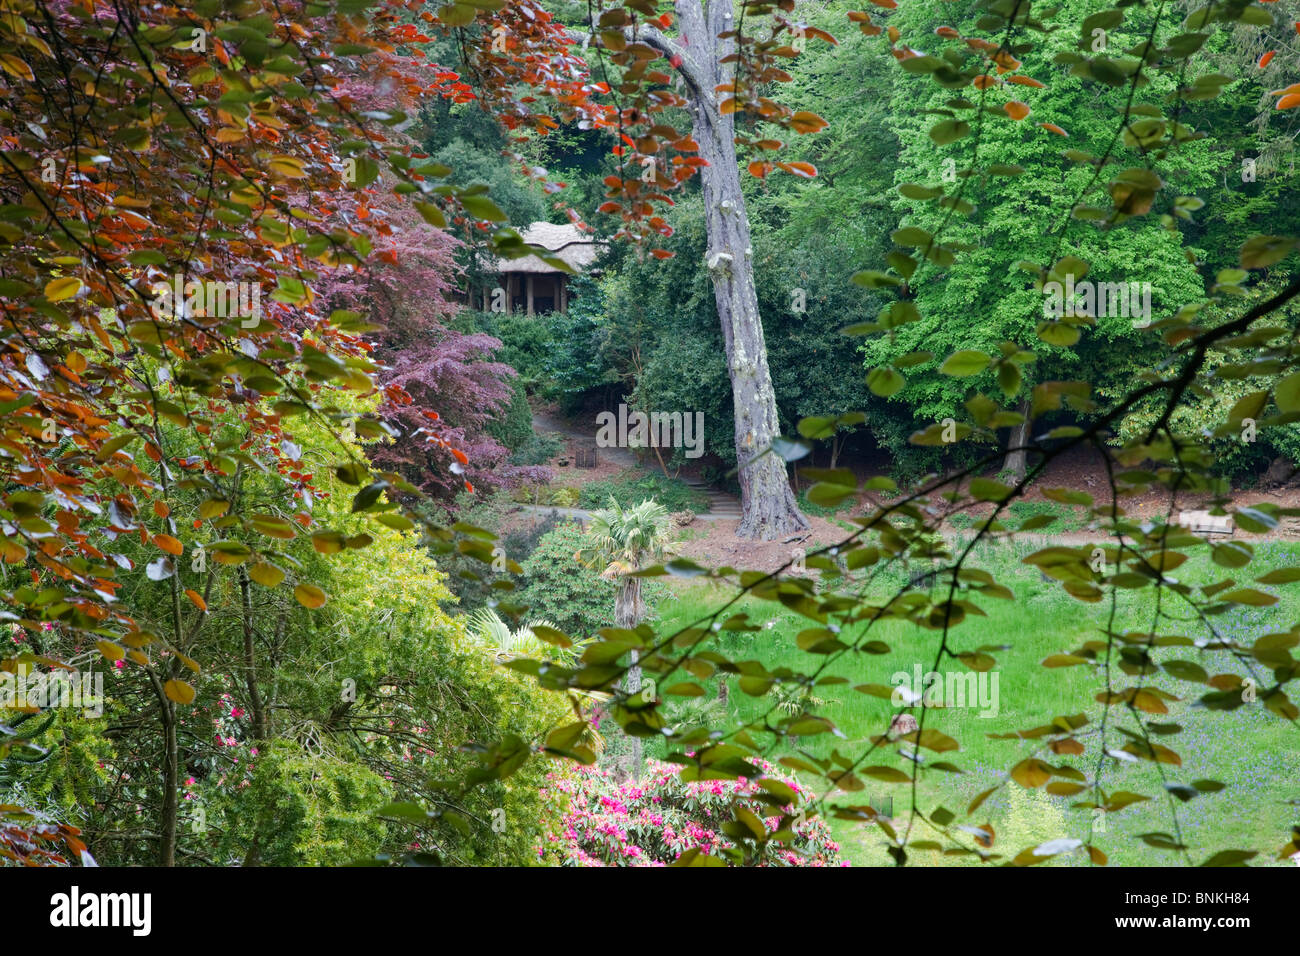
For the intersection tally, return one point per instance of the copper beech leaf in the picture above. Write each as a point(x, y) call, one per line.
point(309, 596)
point(179, 691)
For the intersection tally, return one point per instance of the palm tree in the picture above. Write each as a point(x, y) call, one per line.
point(793, 700)
point(623, 541)
point(486, 627)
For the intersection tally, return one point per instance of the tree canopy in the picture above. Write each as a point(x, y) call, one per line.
point(244, 409)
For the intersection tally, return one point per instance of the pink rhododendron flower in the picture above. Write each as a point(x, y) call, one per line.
point(598, 822)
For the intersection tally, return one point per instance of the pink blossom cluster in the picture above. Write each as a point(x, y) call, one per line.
point(233, 761)
point(597, 821)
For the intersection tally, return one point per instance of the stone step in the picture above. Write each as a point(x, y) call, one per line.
point(721, 504)
point(1205, 522)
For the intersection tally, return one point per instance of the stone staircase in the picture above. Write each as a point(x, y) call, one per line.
point(721, 504)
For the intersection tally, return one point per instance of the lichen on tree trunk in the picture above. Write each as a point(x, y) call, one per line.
point(629, 610)
point(768, 506)
point(1016, 462)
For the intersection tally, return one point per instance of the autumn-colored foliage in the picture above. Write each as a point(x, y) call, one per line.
point(219, 253)
point(176, 182)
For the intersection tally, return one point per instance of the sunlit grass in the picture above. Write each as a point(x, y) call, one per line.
point(1253, 752)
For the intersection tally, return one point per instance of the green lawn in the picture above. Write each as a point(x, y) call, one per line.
point(1253, 752)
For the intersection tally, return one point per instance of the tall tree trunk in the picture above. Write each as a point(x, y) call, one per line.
point(169, 815)
point(768, 507)
point(168, 825)
point(250, 660)
point(629, 609)
point(1017, 460)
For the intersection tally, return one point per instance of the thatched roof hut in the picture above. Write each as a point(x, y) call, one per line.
point(566, 241)
point(531, 284)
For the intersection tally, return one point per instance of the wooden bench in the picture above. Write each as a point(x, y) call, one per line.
point(1202, 522)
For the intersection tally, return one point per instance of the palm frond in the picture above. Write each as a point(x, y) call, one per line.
point(486, 627)
point(627, 536)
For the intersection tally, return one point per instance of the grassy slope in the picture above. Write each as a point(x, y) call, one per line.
point(1250, 750)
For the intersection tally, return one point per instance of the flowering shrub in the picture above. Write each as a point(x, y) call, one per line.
point(557, 587)
point(599, 822)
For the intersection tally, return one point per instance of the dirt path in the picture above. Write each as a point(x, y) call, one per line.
point(722, 506)
point(711, 538)
point(582, 514)
point(546, 421)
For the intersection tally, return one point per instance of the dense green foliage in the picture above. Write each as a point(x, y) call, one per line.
point(558, 355)
point(296, 552)
point(655, 328)
point(631, 488)
point(371, 698)
point(558, 587)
